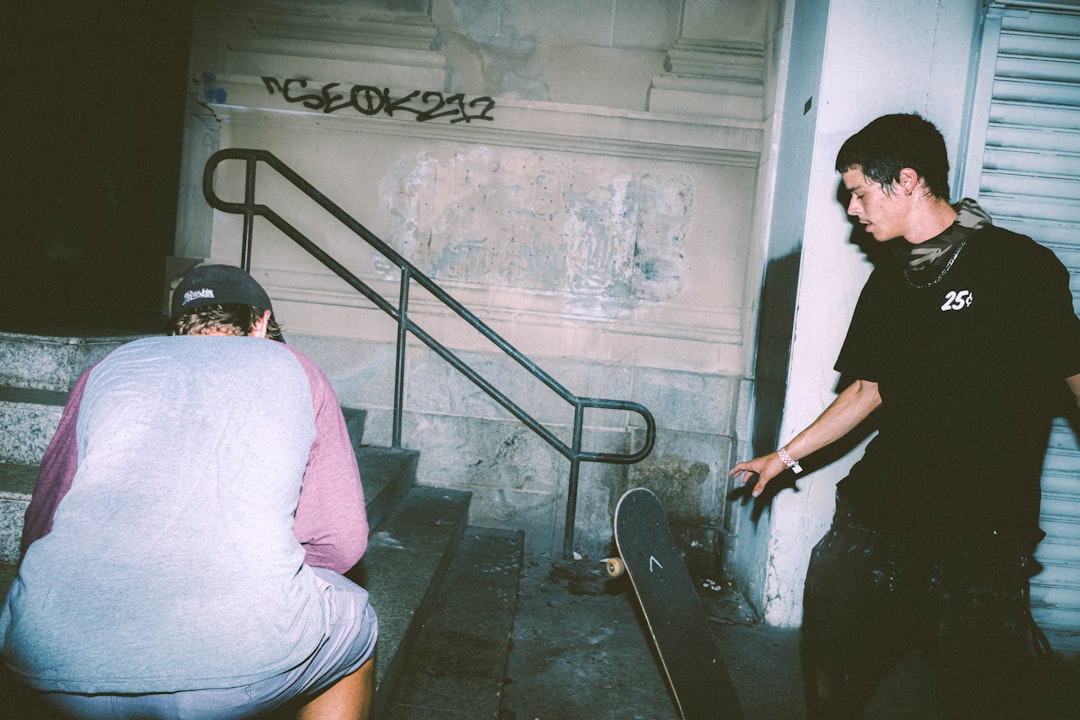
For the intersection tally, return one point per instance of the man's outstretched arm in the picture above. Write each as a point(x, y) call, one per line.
point(846, 412)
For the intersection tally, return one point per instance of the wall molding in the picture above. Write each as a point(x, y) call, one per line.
point(519, 123)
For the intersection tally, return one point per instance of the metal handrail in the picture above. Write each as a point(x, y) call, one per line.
point(409, 273)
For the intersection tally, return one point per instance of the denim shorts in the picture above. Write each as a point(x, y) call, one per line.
point(350, 642)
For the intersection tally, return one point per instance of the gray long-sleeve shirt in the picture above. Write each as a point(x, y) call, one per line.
point(192, 482)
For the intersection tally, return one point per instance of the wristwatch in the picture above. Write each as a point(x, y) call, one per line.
point(792, 464)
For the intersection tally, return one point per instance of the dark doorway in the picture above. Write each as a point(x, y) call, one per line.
point(93, 122)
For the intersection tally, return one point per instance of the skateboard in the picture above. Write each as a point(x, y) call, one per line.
point(691, 661)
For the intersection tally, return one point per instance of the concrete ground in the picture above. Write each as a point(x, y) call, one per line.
point(580, 651)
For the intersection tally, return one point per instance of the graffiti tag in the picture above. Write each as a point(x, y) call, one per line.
point(370, 100)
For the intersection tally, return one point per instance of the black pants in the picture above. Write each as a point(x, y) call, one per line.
point(870, 600)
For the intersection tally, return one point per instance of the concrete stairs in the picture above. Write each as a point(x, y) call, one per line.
point(430, 576)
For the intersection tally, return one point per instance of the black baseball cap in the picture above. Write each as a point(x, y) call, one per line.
point(217, 285)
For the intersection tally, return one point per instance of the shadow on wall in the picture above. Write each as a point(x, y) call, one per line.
point(776, 324)
point(775, 335)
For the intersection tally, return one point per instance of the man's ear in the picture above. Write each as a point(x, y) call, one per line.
point(909, 180)
point(260, 326)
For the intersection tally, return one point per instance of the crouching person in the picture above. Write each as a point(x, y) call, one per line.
point(184, 549)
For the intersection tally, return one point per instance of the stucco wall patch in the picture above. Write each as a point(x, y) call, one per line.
point(533, 220)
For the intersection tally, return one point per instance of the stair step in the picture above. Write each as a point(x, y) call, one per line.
point(388, 474)
point(16, 485)
point(355, 419)
point(51, 362)
point(29, 418)
point(458, 665)
point(407, 558)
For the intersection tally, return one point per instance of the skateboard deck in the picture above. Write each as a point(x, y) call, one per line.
point(695, 671)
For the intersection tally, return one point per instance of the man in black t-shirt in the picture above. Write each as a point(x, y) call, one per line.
point(962, 350)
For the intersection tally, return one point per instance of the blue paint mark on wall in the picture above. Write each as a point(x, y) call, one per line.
point(211, 92)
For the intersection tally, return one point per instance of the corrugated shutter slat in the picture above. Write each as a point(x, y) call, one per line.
point(1028, 178)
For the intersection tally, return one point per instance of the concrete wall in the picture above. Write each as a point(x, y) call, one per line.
point(600, 208)
point(851, 61)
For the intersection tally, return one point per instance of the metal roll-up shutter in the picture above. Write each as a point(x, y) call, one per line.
point(1023, 166)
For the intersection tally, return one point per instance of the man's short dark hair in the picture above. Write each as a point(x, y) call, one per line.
point(894, 142)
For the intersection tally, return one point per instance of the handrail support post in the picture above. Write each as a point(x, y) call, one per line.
point(399, 360)
point(249, 213)
point(572, 485)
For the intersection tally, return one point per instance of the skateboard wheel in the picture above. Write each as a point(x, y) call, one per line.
point(615, 566)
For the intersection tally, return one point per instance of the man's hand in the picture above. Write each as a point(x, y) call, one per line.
point(765, 468)
point(1074, 385)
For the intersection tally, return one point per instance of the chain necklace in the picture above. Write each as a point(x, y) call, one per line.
point(945, 270)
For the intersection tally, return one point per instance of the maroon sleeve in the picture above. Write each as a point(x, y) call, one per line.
point(331, 520)
point(56, 471)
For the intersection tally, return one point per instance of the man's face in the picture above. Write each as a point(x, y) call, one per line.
point(884, 215)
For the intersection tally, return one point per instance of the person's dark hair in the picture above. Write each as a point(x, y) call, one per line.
point(228, 318)
point(894, 142)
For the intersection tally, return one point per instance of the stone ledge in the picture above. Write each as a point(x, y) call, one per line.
point(701, 139)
